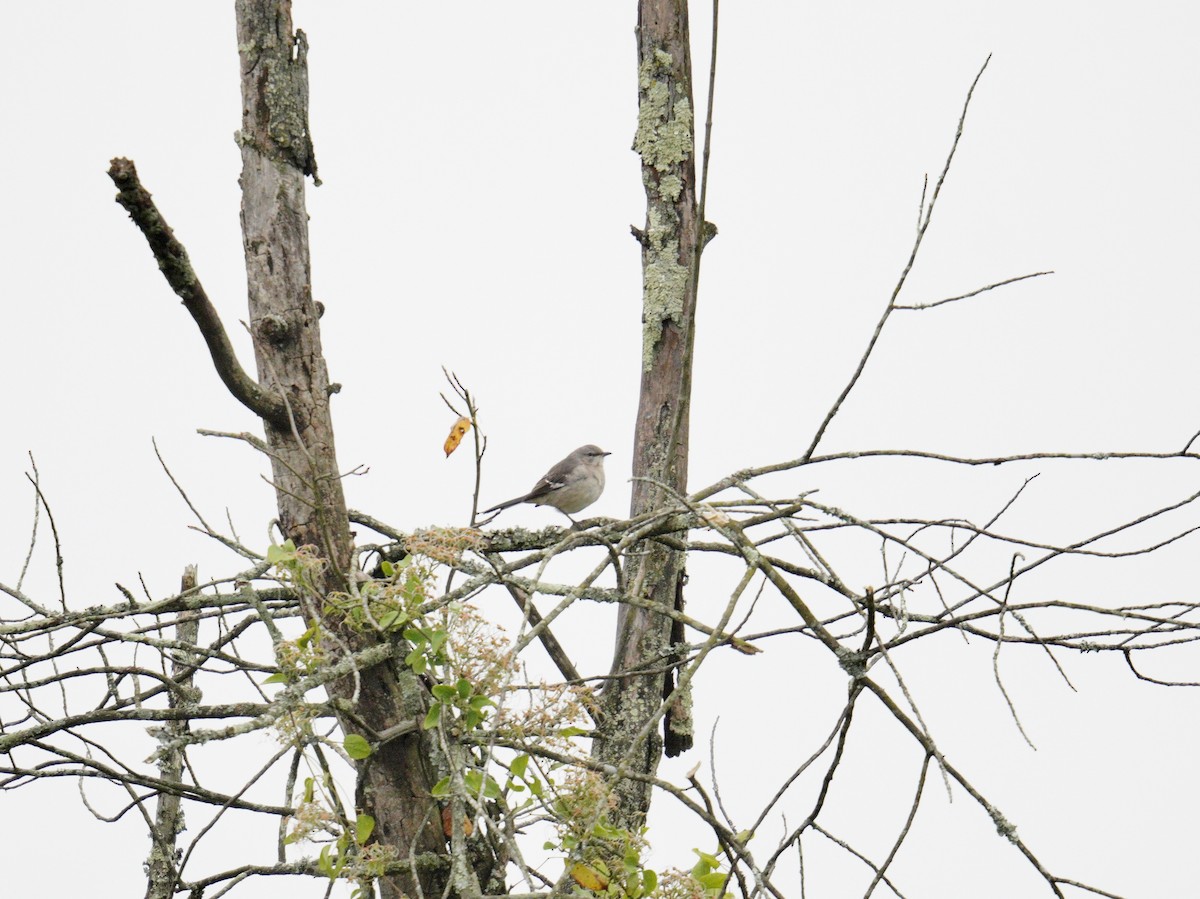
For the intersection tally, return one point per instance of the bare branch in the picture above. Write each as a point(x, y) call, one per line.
point(173, 261)
point(973, 293)
point(912, 258)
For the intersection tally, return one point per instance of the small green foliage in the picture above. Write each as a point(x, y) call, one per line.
point(466, 708)
point(283, 554)
point(444, 692)
point(298, 658)
point(476, 782)
point(351, 857)
point(519, 766)
point(364, 826)
point(601, 858)
point(356, 747)
point(432, 717)
point(479, 783)
point(707, 875)
point(428, 648)
point(387, 605)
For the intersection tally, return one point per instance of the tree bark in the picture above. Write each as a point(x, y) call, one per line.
point(277, 155)
point(161, 871)
point(665, 141)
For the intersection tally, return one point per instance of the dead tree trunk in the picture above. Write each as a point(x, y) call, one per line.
point(277, 155)
point(162, 873)
point(291, 396)
point(670, 243)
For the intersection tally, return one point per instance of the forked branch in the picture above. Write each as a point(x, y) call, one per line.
point(173, 261)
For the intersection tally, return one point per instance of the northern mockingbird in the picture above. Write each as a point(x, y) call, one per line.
point(573, 484)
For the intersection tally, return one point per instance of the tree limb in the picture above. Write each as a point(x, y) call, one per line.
point(173, 262)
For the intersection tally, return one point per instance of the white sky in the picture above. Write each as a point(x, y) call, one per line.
point(478, 193)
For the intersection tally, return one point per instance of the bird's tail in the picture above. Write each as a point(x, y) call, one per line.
point(505, 505)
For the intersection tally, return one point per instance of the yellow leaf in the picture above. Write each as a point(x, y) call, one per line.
point(588, 877)
point(448, 824)
point(456, 435)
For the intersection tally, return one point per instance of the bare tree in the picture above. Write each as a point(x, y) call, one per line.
point(367, 663)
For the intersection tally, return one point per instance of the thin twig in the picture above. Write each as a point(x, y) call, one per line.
point(973, 293)
point(912, 258)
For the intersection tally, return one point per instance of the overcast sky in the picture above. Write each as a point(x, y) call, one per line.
point(479, 187)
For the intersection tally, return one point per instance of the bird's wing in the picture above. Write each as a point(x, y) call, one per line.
point(561, 475)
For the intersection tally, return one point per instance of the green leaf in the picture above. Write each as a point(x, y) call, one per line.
point(519, 765)
point(281, 553)
point(432, 716)
point(364, 826)
point(356, 746)
point(710, 860)
point(309, 786)
point(307, 637)
point(445, 692)
point(476, 783)
point(713, 881)
point(437, 638)
point(441, 788)
point(414, 636)
point(571, 732)
point(277, 678)
point(325, 862)
point(390, 619)
point(416, 661)
point(606, 831)
point(464, 687)
point(479, 701)
point(649, 880)
point(535, 787)
point(387, 568)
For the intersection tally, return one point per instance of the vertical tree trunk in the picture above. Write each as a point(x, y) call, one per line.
point(277, 155)
point(161, 871)
point(665, 141)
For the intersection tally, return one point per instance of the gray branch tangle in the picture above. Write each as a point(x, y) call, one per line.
point(956, 575)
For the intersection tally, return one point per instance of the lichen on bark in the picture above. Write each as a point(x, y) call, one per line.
point(664, 131)
point(664, 280)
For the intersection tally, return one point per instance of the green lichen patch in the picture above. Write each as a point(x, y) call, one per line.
point(664, 282)
point(664, 131)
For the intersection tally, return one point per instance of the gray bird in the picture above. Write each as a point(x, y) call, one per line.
point(570, 486)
